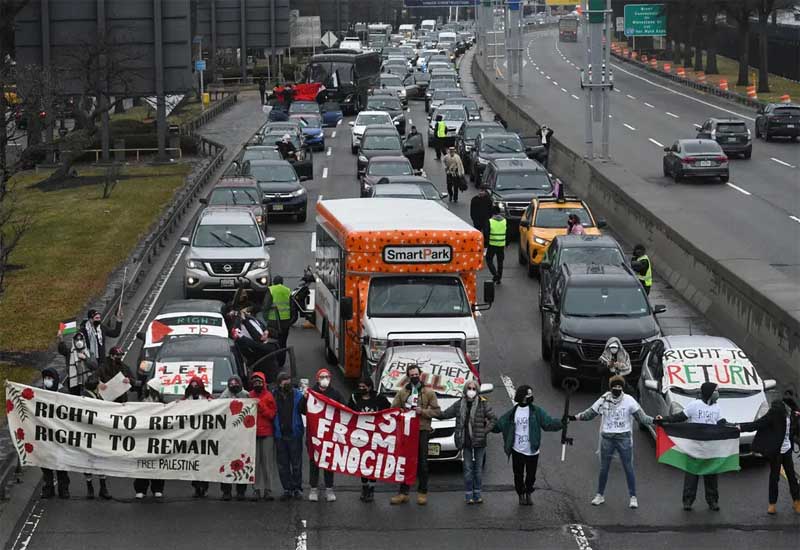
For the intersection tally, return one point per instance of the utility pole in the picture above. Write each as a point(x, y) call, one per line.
point(596, 78)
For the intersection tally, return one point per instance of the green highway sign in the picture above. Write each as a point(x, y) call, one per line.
point(645, 20)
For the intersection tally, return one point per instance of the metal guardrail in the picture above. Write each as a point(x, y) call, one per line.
point(138, 150)
point(228, 101)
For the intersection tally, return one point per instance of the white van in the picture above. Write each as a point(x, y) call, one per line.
point(428, 25)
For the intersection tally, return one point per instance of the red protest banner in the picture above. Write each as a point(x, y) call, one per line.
point(380, 445)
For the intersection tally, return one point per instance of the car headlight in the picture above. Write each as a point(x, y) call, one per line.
point(193, 264)
point(482, 161)
point(261, 264)
point(402, 93)
point(145, 367)
point(362, 158)
point(569, 339)
point(259, 219)
point(501, 205)
point(377, 346)
point(539, 240)
point(474, 349)
point(299, 193)
point(428, 96)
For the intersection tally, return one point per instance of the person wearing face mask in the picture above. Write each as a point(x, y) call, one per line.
point(614, 361)
point(324, 387)
point(618, 410)
point(265, 440)
point(288, 429)
point(113, 366)
point(197, 390)
point(80, 363)
point(474, 420)
point(51, 382)
point(95, 332)
point(522, 429)
point(90, 391)
point(700, 411)
point(365, 399)
point(417, 396)
point(234, 390)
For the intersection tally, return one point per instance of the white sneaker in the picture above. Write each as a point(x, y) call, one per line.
point(139, 496)
point(158, 495)
point(313, 495)
point(598, 500)
point(330, 496)
point(634, 503)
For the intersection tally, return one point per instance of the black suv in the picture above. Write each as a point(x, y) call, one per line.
point(513, 183)
point(778, 119)
point(468, 133)
point(492, 145)
point(732, 134)
point(588, 304)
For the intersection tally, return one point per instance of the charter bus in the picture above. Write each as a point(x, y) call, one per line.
point(347, 76)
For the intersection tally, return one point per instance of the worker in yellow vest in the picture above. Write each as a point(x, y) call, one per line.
point(440, 135)
point(497, 244)
point(278, 313)
point(640, 263)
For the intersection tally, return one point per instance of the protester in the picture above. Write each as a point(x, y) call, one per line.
point(497, 244)
point(288, 95)
point(288, 429)
point(545, 135)
point(322, 386)
point(234, 390)
point(151, 393)
point(414, 149)
point(640, 263)
point(700, 411)
point(255, 343)
point(420, 398)
point(454, 169)
point(618, 410)
point(480, 210)
point(614, 361)
point(365, 399)
point(776, 434)
point(114, 366)
point(522, 429)
point(197, 390)
point(574, 225)
point(286, 147)
point(278, 313)
point(95, 333)
point(262, 89)
point(501, 120)
point(51, 382)
point(80, 363)
point(90, 391)
point(474, 419)
point(265, 440)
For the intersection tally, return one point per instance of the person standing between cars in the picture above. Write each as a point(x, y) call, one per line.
point(265, 440)
point(414, 149)
point(197, 390)
point(278, 313)
point(474, 419)
point(255, 342)
point(95, 332)
point(574, 225)
point(640, 263)
point(776, 434)
point(618, 410)
point(288, 429)
point(480, 210)
point(522, 429)
point(150, 394)
point(700, 411)
point(90, 391)
point(234, 390)
point(323, 386)
point(286, 148)
point(366, 400)
point(51, 382)
point(497, 244)
point(454, 169)
point(545, 135)
point(420, 398)
point(614, 361)
point(439, 136)
point(262, 90)
point(80, 363)
point(113, 366)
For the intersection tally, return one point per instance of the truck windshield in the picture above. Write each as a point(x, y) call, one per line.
point(417, 297)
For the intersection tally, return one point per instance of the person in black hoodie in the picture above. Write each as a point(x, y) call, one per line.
point(324, 387)
point(51, 381)
point(366, 400)
point(480, 210)
point(90, 391)
point(776, 433)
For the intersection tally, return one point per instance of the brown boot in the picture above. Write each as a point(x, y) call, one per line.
point(796, 506)
point(399, 498)
point(771, 510)
point(422, 499)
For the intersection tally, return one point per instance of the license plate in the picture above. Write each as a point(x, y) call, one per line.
point(705, 163)
point(434, 449)
point(732, 140)
point(790, 125)
point(277, 207)
point(227, 283)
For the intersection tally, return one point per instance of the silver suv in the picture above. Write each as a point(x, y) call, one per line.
point(226, 246)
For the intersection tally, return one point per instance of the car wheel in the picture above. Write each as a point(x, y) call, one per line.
point(767, 137)
point(677, 176)
point(555, 376)
point(520, 254)
point(533, 269)
point(353, 149)
point(724, 178)
point(748, 153)
point(301, 217)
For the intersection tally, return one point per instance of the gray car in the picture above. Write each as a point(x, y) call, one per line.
point(696, 158)
point(227, 247)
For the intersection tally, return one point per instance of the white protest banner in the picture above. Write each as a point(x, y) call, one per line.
point(176, 375)
point(115, 387)
point(196, 440)
point(689, 368)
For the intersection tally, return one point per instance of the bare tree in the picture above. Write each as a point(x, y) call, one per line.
point(741, 11)
point(111, 178)
point(765, 8)
point(13, 226)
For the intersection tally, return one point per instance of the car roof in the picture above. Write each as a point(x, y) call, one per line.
point(269, 162)
point(587, 241)
point(431, 353)
point(500, 133)
point(385, 130)
point(382, 113)
point(236, 181)
point(795, 105)
point(727, 119)
point(484, 124)
point(448, 90)
point(392, 214)
point(698, 141)
point(195, 346)
point(518, 165)
point(680, 341)
point(562, 205)
point(407, 188)
point(608, 275)
point(388, 159)
point(192, 306)
point(225, 215)
point(403, 179)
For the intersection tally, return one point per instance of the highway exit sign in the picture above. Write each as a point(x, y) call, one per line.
point(645, 20)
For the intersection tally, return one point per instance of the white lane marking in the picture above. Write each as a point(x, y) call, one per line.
point(618, 90)
point(609, 116)
point(509, 384)
point(651, 140)
point(313, 242)
point(583, 542)
point(555, 83)
point(673, 115)
point(302, 537)
point(697, 126)
point(739, 189)
point(564, 90)
point(34, 516)
point(795, 218)
point(575, 97)
point(329, 151)
point(541, 71)
point(629, 96)
point(325, 172)
point(706, 103)
point(651, 106)
point(338, 122)
point(779, 161)
point(628, 126)
point(333, 135)
point(548, 77)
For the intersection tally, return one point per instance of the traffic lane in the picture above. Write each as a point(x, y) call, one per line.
point(691, 537)
point(708, 209)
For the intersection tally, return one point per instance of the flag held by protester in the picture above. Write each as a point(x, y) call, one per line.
point(68, 327)
point(699, 449)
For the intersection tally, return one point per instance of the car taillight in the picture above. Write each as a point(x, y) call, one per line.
point(722, 159)
point(688, 160)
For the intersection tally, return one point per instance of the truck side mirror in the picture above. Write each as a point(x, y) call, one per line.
point(488, 292)
point(204, 201)
point(770, 384)
point(659, 308)
point(346, 308)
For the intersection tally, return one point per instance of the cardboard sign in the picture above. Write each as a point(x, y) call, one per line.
point(175, 376)
point(443, 377)
point(689, 368)
point(115, 387)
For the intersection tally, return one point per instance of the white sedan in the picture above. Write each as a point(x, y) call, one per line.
point(364, 119)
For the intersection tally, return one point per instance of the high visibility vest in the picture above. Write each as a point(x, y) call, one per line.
point(281, 303)
point(647, 278)
point(441, 129)
point(497, 232)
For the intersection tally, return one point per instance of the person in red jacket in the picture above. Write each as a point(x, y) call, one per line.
point(265, 442)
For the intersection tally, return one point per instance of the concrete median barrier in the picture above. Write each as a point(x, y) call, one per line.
point(746, 300)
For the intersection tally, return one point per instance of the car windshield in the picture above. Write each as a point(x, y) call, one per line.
point(452, 114)
point(556, 218)
point(303, 107)
point(732, 128)
point(273, 172)
point(504, 144)
point(276, 137)
point(390, 103)
point(469, 104)
point(417, 297)
point(221, 370)
point(399, 168)
point(592, 255)
point(615, 301)
point(420, 190)
point(391, 80)
point(366, 120)
point(472, 132)
point(308, 120)
point(228, 236)
point(787, 111)
point(234, 196)
point(382, 143)
point(702, 147)
point(261, 154)
point(445, 94)
point(538, 181)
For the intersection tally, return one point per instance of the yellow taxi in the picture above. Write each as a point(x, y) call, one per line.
point(544, 219)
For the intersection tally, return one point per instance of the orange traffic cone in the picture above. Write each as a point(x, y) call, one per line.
point(681, 72)
point(667, 67)
point(723, 85)
point(785, 98)
point(654, 63)
point(751, 92)
point(701, 76)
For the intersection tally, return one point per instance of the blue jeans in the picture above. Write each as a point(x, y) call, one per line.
point(623, 444)
point(290, 463)
point(473, 472)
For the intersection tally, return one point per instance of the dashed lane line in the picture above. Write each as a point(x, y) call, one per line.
point(564, 90)
point(575, 97)
point(330, 150)
point(509, 385)
point(314, 242)
point(673, 115)
point(325, 172)
point(739, 189)
point(795, 218)
point(651, 106)
point(628, 126)
point(333, 135)
point(782, 162)
point(629, 96)
point(654, 142)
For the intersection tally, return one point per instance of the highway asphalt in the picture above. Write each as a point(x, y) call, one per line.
point(561, 516)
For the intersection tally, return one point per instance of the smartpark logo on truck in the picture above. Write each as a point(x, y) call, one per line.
point(442, 254)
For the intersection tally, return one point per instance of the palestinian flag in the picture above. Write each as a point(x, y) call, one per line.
point(698, 449)
point(68, 327)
